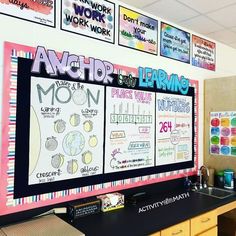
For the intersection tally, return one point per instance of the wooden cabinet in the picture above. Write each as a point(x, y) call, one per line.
point(181, 229)
point(203, 222)
point(202, 225)
point(210, 232)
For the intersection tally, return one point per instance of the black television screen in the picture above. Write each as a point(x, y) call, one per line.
point(103, 127)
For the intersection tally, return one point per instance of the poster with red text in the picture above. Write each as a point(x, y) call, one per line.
point(204, 53)
point(41, 12)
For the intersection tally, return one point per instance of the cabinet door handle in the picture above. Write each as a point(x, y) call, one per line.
point(178, 232)
point(206, 220)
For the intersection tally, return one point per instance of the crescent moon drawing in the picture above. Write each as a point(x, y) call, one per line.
point(35, 141)
point(87, 157)
point(57, 160)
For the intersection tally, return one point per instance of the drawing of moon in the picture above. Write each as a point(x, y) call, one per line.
point(88, 126)
point(73, 143)
point(79, 96)
point(57, 160)
point(59, 126)
point(74, 119)
point(93, 141)
point(51, 144)
point(35, 141)
point(87, 157)
point(72, 166)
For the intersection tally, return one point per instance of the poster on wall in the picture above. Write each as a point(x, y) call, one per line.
point(223, 133)
point(41, 12)
point(64, 137)
point(130, 120)
point(174, 43)
point(174, 131)
point(204, 53)
point(94, 19)
point(137, 31)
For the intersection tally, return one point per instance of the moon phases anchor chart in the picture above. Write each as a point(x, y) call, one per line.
point(65, 140)
point(130, 119)
point(173, 128)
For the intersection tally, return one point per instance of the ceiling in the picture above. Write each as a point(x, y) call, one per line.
point(215, 19)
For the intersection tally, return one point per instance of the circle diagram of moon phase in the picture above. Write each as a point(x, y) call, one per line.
point(59, 126)
point(93, 141)
point(87, 157)
point(72, 166)
point(35, 143)
point(57, 160)
point(51, 144)
point(79, 96)
point(74, 119)
point(88, 126)
point(73, 143)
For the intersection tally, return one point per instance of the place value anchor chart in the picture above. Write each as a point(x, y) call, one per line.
point(130, 125)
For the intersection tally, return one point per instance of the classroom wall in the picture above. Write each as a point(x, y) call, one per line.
point(218, 98)
point(30, 34)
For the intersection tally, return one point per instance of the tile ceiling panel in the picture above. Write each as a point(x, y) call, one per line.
point(201, 24)
point(204, 6)
point(138, 3)
point(224, 36)
point(170, 10)
point(225, 16)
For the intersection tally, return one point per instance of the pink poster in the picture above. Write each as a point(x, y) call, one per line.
point(204, 53)
point(41, 12)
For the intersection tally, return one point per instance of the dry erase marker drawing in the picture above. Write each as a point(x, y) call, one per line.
point(75, 119)
point(51, 143)
point(57, 160)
